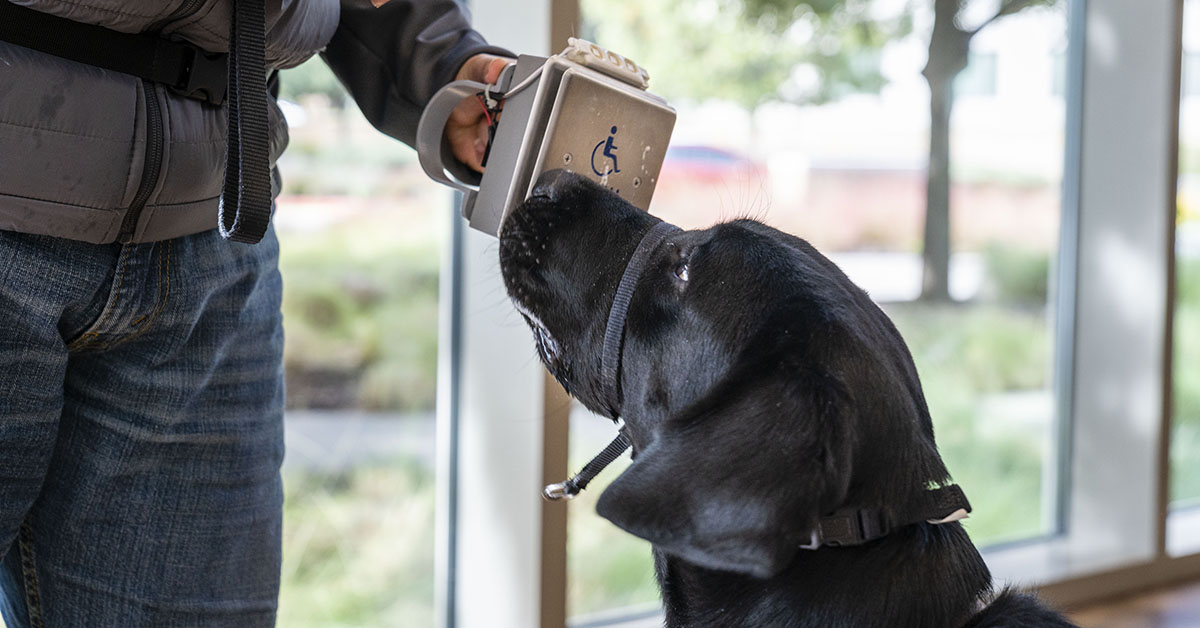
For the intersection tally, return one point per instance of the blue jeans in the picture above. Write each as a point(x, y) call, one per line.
point(141, 432)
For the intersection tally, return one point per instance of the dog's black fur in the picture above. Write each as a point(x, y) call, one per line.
point(761, 389)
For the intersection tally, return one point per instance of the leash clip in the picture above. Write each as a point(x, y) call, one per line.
point(578, 482)
point(558, 492)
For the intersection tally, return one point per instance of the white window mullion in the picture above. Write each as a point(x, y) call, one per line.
point(1127, 193)
point(1127, 136)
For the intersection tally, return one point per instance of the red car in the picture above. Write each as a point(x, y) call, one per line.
point(709, 164)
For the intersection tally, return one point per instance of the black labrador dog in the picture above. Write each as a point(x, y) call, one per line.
point(784, 469)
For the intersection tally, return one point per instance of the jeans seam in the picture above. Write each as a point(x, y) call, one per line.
point(33, 603)
point(88, 339)
point(158, 268)
point(164, 289)
point(165, 292)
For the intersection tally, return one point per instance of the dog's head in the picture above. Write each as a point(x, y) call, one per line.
point(760, 387)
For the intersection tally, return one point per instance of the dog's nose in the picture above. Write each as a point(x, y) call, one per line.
point(550, 183)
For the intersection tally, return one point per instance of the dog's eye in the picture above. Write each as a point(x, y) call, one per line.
point(681, 270)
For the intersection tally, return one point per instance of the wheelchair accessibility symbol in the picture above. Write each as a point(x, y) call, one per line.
point(603, 168)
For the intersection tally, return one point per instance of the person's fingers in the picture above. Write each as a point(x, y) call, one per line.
point(467, 128)
point(467, 145)
point(481, 140)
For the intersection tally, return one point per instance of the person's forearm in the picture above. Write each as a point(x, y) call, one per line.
point(393, 58)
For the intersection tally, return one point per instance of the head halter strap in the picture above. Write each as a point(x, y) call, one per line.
point(614, 332)
point(610, 360)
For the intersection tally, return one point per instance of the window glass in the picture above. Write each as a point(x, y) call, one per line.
point(1185, 435)
point(820, 124)
point(359, 227)
point(979, 79)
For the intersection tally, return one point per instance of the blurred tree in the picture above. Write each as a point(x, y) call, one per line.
point(949, 45)
point(811, 51)
point(749, 51)
point(311, 77)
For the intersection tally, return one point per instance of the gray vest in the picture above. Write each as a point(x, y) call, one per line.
point(74, 138)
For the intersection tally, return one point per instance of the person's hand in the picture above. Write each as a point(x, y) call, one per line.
point(467, 128)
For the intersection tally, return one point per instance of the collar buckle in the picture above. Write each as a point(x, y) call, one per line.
point(848, 527)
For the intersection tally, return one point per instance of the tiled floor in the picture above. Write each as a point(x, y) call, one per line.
point(1174, 608)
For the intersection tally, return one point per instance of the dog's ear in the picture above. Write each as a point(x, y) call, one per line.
point(739, 485)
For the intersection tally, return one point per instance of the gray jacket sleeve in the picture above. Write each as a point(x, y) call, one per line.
point(393, 58)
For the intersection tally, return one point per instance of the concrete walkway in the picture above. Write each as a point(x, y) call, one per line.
point(337, 440)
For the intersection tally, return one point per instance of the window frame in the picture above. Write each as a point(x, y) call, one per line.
point(1114, 361)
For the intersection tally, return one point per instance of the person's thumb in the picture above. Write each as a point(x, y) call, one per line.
point(483, 68)
point(494, 68)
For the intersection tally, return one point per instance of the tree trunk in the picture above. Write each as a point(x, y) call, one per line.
point(949, 46)
point(935, 279)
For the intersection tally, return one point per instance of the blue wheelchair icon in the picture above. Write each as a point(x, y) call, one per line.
point(610, 152)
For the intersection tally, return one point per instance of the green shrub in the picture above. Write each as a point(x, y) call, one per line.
point(989, 347)
point(360, 318)
point(1018, 275)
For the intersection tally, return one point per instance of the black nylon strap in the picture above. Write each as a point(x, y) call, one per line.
point(176, 64)
point(614, 332)
point(935, 504)
point(850, 527)
point(245, 207)
point(578, 482)
point(610, 360)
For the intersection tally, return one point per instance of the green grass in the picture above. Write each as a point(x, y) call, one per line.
point(358, 548)
point(606, 567)
point(1185, 438)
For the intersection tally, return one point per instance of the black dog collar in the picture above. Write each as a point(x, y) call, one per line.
point(849, 527)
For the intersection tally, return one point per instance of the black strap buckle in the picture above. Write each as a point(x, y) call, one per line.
point(204, 77)
point(848, 527)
